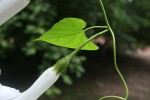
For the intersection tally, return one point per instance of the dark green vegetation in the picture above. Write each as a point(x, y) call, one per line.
point(130, 20)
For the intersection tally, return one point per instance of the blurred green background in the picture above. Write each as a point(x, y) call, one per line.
point(22, 60)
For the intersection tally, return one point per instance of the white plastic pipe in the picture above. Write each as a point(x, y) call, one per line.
point(9, 8)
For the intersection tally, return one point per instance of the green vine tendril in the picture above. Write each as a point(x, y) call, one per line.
point(115, 61)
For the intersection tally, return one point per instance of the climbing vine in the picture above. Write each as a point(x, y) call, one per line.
point(70, 33)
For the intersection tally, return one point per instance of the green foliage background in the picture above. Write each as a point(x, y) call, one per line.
point(130, 20)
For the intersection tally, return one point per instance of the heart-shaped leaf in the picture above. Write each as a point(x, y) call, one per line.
point(68, 33)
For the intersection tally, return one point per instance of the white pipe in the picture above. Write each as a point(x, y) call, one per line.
point(9, 8)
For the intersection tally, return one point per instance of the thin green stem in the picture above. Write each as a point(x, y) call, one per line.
point(82, 45)
point(94, 27)
point(115, 64)
point(114, 51)
point(111, 96)
point(104, 13)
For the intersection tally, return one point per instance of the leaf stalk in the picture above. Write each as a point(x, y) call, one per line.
point(82, 45)
point(94, 27)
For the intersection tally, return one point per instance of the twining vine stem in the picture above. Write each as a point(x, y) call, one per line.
point(115, 61)
point(112, 96)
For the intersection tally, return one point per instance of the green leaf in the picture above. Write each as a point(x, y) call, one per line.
point(68, 33)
